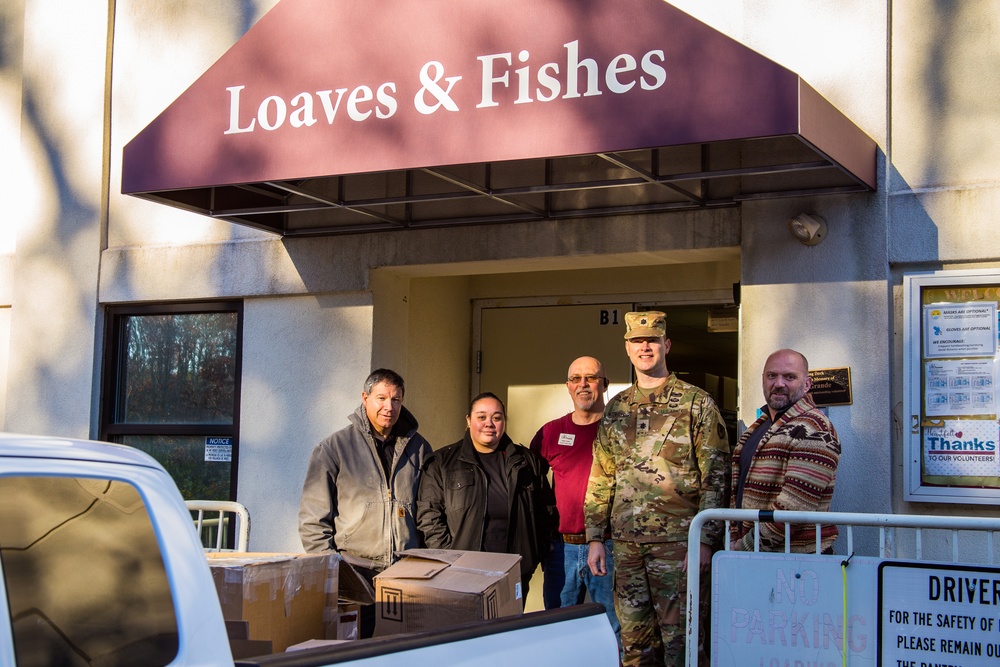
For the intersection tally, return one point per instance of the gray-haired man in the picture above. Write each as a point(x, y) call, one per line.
point(361, 485)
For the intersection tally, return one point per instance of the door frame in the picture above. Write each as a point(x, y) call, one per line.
point(708, 297)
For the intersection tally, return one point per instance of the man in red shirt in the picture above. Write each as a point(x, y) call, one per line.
point(567, 444)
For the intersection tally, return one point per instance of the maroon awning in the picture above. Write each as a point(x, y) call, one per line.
point(333, 116)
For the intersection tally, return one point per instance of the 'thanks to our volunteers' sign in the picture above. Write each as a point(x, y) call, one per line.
point(934, 615)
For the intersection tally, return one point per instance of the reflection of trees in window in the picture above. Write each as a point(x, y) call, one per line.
point(184, 459)
point(180, 368)
point(172, 374)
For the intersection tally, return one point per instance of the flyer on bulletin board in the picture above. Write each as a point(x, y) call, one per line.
point(963, 387)
point(960, 329)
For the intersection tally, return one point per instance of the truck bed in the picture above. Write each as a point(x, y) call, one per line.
point(100, 565)
point(579, 635)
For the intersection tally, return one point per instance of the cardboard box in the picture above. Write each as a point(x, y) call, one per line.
point(348, 621)
point(314, 643)
point(433, 588)
point(284, 598)
point(352, 587)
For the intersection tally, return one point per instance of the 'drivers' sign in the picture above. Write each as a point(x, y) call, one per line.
point(934, 615)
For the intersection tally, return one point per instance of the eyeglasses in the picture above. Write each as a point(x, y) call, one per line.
point(589, 379)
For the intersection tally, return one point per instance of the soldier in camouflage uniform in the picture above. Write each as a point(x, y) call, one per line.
point(661, 455)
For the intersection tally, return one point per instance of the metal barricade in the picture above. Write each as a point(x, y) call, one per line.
point(888, 543)
point(214, 530)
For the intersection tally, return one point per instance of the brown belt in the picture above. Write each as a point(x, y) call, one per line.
point(579, 538)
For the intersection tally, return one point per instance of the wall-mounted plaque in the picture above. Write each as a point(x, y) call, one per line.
point(722, 319)
point(831, 386)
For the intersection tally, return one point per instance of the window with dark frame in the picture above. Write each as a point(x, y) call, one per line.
point(172, 389)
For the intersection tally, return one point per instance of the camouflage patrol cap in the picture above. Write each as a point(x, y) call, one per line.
point(644, 325)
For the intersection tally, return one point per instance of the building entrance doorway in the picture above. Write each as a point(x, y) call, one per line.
point(524, 350)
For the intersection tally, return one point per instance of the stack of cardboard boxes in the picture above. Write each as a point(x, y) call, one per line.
point(273, 601)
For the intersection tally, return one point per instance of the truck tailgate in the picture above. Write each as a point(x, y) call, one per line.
point(579, 635)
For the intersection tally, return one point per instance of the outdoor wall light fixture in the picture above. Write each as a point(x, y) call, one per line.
point(807, 228)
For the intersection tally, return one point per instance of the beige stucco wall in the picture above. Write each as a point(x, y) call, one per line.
point(946, 89)
point(438, 345)
point(944, 187)
point(920, 77)
point(11, 49)
point(12, 168)
point(418, 315)
point(160, 49)
point(837, 46)
point(827, 301)
point(304, 361)
point(58, 216)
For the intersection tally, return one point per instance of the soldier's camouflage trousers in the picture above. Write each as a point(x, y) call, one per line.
point(650, 590)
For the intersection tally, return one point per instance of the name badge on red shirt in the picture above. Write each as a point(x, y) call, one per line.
point(566, 439)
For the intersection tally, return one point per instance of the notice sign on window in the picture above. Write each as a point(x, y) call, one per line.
point(219, 449)
point(933, 614)
point(960, 329)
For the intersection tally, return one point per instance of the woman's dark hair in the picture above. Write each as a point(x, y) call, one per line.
point(488, 394)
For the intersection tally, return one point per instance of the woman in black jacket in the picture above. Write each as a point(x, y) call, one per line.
point(486, 493)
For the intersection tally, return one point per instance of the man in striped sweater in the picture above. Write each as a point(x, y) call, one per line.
point(786, 460)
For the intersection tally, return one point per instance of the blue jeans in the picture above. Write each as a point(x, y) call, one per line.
point(568, 578)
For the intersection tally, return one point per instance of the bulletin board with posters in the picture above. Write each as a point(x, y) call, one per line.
point(950, 378)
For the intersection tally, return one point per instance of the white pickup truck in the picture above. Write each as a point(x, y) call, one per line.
point(100, 565)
